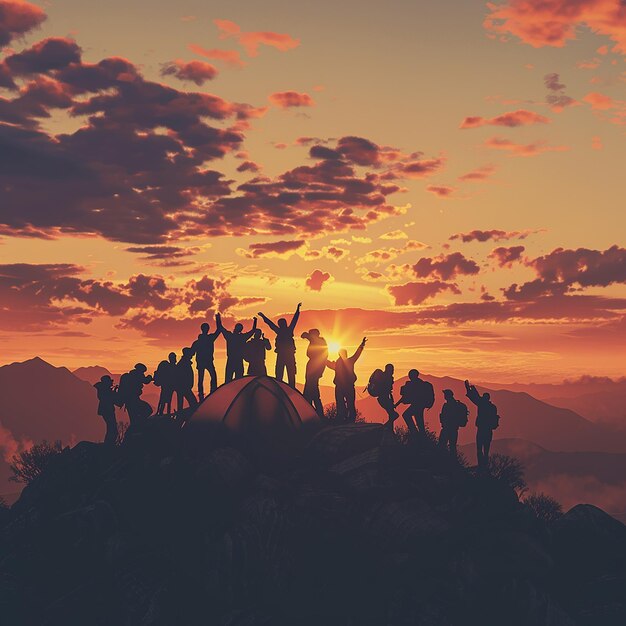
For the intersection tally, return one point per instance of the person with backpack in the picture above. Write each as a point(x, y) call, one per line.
point(380, 386)
point(129, 395)
point(107, 397)
point(317, 353)
point(452, 417)
point(235, 348)
point(164, 377)
point(254, 353)
point(204, 348)
point(184, 383)
point(285, 346)
point(487, 420)
point(419, 395)
point(345, 379)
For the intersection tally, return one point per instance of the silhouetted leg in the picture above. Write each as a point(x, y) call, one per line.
point(201, 369)
point(419, 419)
point(213, 375)
point(487, 437)
point(350, 395)
point(340, 403)
point(229, 371)
point(291, 371)
point(167, 402)
point(180, 402)
point(191, 398)
point(453, 438)
point(443, 438)
point(407, 416)
point(110, 437)
point(280, 367)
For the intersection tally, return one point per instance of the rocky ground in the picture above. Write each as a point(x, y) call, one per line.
point(359, 528)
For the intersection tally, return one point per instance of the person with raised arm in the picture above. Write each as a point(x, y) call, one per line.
point(235, 347)
point(285, 345)
point(345, 379)
point(204, 348)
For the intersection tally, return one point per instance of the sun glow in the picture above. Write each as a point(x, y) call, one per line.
point(333, 346)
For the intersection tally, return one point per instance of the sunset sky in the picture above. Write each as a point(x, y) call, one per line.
point(447, 178)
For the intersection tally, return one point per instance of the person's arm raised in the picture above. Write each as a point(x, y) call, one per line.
point(359, 351)
point(296, 317)
point(268, 321)
point(251, 331)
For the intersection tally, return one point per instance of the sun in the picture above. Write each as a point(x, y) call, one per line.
point(333, 346)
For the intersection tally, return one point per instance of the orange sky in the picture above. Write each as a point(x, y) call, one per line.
point(444, 179)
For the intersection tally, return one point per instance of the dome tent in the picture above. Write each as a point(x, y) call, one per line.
point(265, 413)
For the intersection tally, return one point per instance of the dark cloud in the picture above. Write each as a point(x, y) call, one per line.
point(316, 280)
point(197, 72)
point(273, 248)
point(493, 235)
point(506, 256)
point(416, 292)
point(18, 18)
point(446, 266)
point(55, 53)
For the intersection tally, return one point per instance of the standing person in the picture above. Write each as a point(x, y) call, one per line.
point(165, 377)
point(204, 349)
point(254, 353)
point(487, 420)
point(129, 394)
point(184, 382)
point(345, 378)
point(452, 417)
point(317, 353)
point(380, 386)
point(285, 346)
point(419, 395)
point(107, 397)
point(235, 348)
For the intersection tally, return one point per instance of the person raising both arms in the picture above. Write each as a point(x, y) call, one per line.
point(235, 347)
point(285, 345)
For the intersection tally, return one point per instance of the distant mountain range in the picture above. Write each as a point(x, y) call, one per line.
point(39, 401)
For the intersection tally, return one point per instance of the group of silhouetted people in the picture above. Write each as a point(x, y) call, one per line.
point(176, 376)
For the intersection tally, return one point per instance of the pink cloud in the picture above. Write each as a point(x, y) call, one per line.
point(230, 57)
point(195, 71)
point(480, 174)
point(441, 191)
point(316, 280)
point(289, 99)
point(18, 18)
point(524, 150)
point(542, 23)
point(251, 40)
point(513, 119)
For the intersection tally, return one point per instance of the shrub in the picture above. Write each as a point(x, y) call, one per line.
point(544, 507)
point(330, 413)
point(29, 464)
point(122, 427)
point(509, 470)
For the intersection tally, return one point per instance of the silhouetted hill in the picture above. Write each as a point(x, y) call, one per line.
point(359, 529)
point(93, 373)
point(570, 477)
point(522, 417)
point(40, 401)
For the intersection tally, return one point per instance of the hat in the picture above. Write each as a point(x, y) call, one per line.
point(106, 379)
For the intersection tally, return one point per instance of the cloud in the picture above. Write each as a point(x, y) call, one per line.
point(279, 249)
point(18, 18)
point(553, 23)
point(382, 255)
point(480, 174)
point(441, 191)
point(198, 72)
point(290, 99)
point(416, 292)
point(513, 119)
point(506, 256)
point(317, 279)
point(248, 166)
point(557, 98)
point(445, 266)
point(552, 83)
point(50, 54)
point(252, 40)
point(394, 234)
point(493, 235)
point(600, 101)
point(229, 57)
point(524, 150)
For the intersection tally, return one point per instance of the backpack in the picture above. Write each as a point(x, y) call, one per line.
point(124, 390)
point(460, 413)
point(427, 394)
point(158, 375)
point(491, 417)
point(375, 384)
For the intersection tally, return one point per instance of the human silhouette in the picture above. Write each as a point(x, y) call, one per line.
point(419, 395)
point(254, 353)
point(129, 392)
point(285, 346)
point(380, 386)
point(345, 379)
point(184, 382)
point(165, 378)
point(107, 397)
point(487, 420)
point(317, 353)
point(204, 349)
point(235, 348)
point(452, 417)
